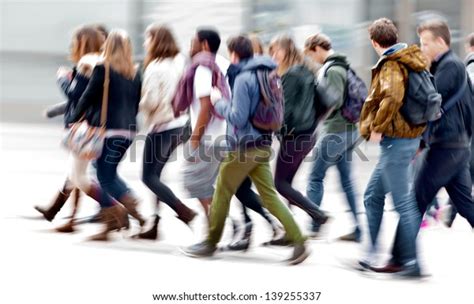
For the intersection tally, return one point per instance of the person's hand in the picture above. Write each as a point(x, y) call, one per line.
point(375, 137)
point(216, 95)
point(64, 72)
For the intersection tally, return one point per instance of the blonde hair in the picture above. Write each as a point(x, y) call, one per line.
point(118, 53)
point(86, 39)
point(293, 56)
point(257, 44)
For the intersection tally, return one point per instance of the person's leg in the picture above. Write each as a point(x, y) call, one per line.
point(251, 200)
point(112, 154)
point(344, 166)
point(321, 164)
point(374, 202)
point(232, 173)
point(290, 157)
point(49, 213)
point(397, 171)
point(262, 178)
point(114, 151)
point(158, 149)
point(459, 188)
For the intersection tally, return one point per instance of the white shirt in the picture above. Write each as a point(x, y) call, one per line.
point(216, 128)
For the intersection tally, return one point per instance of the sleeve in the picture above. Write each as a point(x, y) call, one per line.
point(152, 92)
point(238, 111)
point(336, 82)
point(291, 84)
point(392, 91)
point(92, 93)
point(202, 82)
point(56, 110)
point(447, 80)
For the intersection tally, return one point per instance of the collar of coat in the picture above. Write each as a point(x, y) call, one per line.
point(392, 50)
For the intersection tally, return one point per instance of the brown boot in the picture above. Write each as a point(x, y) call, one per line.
point(69, 226)
point(131, 203)
point(185, 214)
point(50, 212)
point(113, 218)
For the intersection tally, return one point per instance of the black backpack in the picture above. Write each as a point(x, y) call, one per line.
point(422, 102)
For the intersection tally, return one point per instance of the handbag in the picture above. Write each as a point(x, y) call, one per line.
point(86, 141)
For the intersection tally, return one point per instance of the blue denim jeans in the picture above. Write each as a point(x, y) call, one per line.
point(334, 149)
point(392, 174)
point(112, 154)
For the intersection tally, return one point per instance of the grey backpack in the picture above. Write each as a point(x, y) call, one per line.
point(422, 102)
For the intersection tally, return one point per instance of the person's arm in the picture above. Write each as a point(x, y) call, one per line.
point(291, 85)
point(203, 119)
point(92, 93)
point(56, 110)
point(447, 80)
point(336, 81)
point(392, 92)
point(238, 111)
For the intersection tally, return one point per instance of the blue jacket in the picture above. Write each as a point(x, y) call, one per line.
point(245, 98)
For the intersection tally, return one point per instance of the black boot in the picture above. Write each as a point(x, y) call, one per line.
point(151, 234)
point(244, 243)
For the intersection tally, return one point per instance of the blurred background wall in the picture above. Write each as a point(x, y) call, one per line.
point(35, 34)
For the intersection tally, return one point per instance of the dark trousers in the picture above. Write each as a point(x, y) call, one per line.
point(157, 152)
point(292, 153)
point(447, 168)
point(112, 154)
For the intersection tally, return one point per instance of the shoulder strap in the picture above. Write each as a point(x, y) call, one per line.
point(105, 96)
point(454, 99)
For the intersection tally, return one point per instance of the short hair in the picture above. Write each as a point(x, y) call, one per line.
point(384, 32)
point(320, 40)
point(470, 39)
point(211, 36)
point(438, 28)
point(240, 45)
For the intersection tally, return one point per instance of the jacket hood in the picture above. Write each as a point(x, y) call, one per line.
point(337, 57)
point(411, 56)
point(259, 62)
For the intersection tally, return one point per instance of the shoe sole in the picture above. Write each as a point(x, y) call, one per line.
point(192, 255)
point(300, 259)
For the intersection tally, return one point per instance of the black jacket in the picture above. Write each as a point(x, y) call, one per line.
point(124, 97)
point(73, 90)
point(454, 129)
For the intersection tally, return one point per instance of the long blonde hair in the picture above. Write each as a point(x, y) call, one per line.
point(118, 53)
point(293, 56)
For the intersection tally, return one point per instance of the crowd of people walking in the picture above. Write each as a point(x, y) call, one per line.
point(226, 112)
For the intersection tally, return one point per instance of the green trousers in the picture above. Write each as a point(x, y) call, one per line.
point(236, 166)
